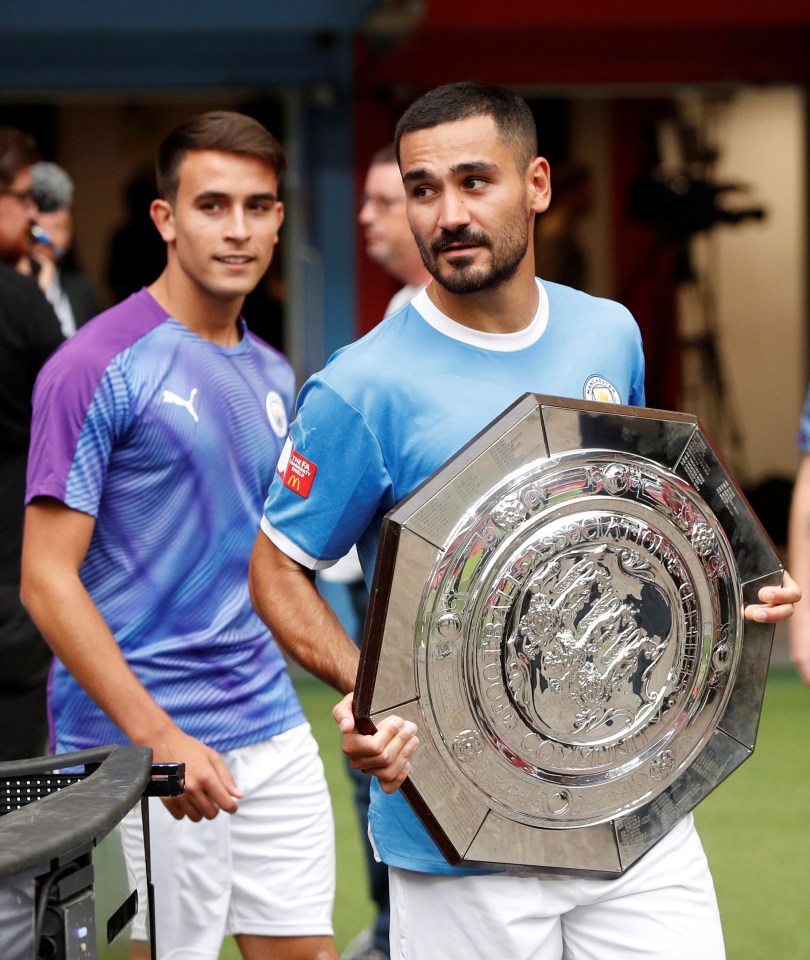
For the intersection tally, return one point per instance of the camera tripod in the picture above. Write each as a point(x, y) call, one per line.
point(704, 388)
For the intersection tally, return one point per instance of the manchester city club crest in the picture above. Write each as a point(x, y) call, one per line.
point(600, 390)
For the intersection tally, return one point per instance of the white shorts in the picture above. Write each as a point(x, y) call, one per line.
point(663, 908)
point(266, 870)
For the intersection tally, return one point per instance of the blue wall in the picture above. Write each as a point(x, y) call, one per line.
point(50, 49)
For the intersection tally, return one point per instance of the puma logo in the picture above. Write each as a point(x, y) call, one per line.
point(171, 397)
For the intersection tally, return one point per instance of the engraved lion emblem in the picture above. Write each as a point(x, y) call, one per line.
point(591, 629)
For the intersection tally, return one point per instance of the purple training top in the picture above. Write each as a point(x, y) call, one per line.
point(170, 442)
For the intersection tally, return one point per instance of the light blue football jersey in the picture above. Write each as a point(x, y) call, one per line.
point(169, 441)
point(390, 409)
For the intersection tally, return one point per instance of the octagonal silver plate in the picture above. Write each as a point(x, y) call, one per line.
point(559, 609)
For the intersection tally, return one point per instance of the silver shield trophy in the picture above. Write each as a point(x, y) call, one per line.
point(559, 609)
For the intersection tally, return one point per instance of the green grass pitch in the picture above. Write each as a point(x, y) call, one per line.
point(755, 828)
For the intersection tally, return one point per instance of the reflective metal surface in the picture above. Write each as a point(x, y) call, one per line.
point(559, 610)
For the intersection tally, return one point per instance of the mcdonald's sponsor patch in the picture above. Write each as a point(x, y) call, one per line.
point(299, 474)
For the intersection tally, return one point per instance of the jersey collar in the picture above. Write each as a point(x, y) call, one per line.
point(502, 342)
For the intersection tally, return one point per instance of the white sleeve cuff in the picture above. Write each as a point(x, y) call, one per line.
point(292, 549)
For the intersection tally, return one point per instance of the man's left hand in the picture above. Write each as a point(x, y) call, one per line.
point(776, 603)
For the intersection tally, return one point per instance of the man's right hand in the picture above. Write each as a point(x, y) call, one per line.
point(209, 784)
point(385, 754)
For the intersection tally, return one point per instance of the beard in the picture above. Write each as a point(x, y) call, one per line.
point(461, 277)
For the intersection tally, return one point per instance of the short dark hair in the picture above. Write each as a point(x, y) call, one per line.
point(221, 130)
point(18, 150)
point(459, 101)
point(384, 155)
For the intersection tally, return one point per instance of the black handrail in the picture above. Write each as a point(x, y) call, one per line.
point(78, 814)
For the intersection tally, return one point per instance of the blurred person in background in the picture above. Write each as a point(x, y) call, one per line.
point(29, 333)
point(136, 252)
point(558, 252)
point(389, 241)
point(52, 260)
point(799, 550)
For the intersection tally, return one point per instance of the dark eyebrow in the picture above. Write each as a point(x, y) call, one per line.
point(215, 195)
point(475, 166)
point(469, 167)
point(415, 175)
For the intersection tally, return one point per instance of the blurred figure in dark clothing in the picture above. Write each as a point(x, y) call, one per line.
point(29, 332)
point(264, 307)
point(66, 288)
point(137, 254)
point(559, 254)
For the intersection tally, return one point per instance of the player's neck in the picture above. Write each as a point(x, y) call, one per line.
point(211, 317)
point(508, 308)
